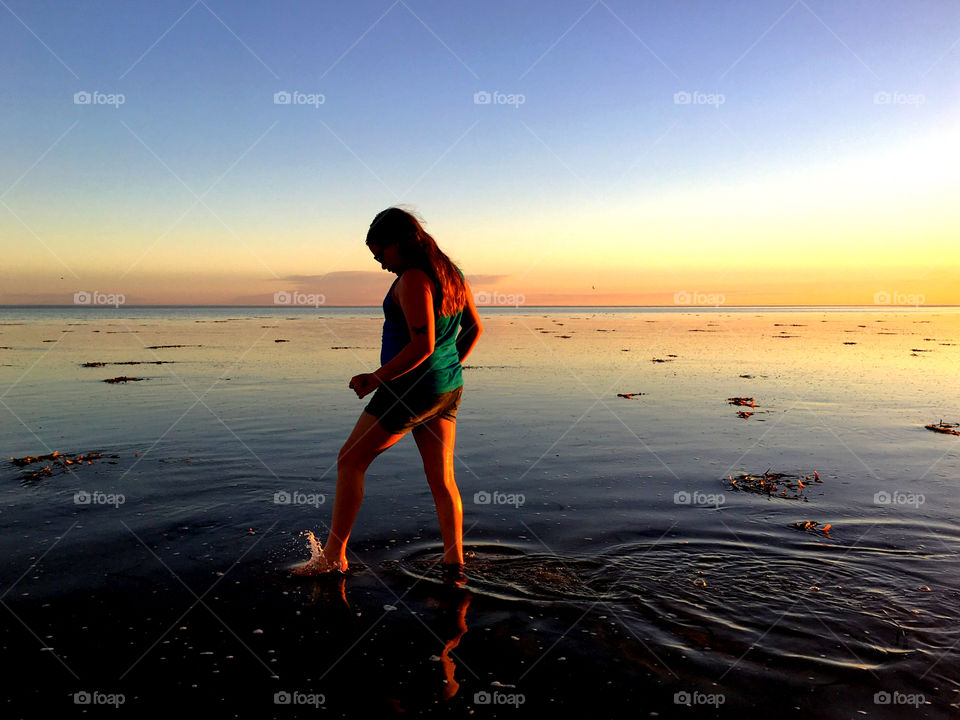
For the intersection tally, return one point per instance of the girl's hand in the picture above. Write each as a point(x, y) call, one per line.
point(364, 384)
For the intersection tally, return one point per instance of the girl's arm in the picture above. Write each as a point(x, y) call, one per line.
point(415, 295)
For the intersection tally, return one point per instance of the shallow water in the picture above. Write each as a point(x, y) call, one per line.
point(611, 565)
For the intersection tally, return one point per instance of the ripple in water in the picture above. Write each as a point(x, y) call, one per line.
point(839, 608)
point(509, 573)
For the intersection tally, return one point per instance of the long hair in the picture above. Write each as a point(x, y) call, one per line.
point(418, 249)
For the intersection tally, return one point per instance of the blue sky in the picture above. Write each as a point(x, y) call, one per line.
point(599, 130)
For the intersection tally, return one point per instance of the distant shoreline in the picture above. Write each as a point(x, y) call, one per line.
point(512, 307)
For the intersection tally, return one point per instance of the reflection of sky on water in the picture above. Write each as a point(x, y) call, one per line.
point(602, 478)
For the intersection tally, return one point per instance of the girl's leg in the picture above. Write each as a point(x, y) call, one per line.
point(368, 439)
point(435, 440)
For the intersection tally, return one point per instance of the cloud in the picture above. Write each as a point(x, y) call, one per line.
point(351, 287)
point(476, 280)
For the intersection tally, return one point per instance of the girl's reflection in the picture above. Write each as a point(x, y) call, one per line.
point(452, 624)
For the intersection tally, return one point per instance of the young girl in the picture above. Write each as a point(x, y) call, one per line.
point(430, 325)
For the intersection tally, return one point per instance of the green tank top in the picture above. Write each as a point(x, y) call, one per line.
point(441, 371)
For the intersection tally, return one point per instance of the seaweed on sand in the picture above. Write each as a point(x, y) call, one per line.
point(813, 526)
point(946, 428)
point(57, 460)
point(782, 485)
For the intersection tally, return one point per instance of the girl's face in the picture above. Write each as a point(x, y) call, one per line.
point(387, 256)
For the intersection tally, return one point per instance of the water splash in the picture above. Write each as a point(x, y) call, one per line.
point(318, 563)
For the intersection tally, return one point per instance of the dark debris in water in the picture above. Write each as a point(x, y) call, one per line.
point(742, 401)
point(946, 428)
point(58, 463)
point(123, 379)
point(814, 527)
point(127, 362)
point(628, 396)
point(781, 485)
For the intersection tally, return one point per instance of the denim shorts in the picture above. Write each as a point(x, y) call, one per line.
point(399, 409)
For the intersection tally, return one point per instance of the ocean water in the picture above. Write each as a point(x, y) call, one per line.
point(613, 566)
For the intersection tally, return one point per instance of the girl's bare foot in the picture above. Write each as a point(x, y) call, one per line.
point(318, 566)
point(319, 563)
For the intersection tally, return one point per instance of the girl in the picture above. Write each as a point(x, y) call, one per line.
point(430, 326)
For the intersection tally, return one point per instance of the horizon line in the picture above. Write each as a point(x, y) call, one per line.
point(507, 306)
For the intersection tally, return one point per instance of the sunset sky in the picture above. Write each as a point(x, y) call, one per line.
point(752, 152)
